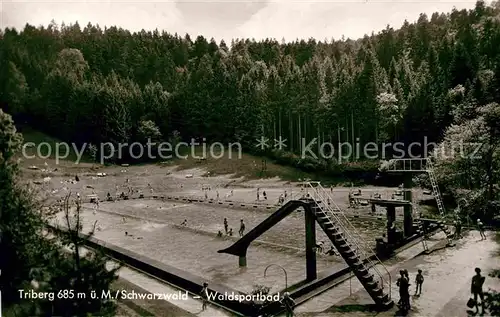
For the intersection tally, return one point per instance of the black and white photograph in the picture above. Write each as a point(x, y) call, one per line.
point(249, 158)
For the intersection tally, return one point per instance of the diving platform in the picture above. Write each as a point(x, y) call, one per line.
point(415, 165)
point(364, 263)
point(389, 202)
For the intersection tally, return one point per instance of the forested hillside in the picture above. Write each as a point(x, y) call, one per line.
point(86, 84)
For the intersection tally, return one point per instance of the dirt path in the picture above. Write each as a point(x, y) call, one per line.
point(449, 274)
point(446, 289)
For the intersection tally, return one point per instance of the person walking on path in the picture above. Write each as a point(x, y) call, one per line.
point(289, 304)
point(242, 228)
point(480, 227)
point(204, 296)
point(407, 276)
point(419, 280)
point(476, 289)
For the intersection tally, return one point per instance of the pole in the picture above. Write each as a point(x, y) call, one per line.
point(350, 284)
point(350, 279)
point(310, 229)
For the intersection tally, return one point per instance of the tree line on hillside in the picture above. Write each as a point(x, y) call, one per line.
point(94, 85)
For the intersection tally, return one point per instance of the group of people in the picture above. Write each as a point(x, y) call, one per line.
point(320, 249)
point(403, 283)
point(458, 228)
point(206, 189)
point(263, 194)
point(476, 289)
point(354, 202)
point(229, 231)
point(282, 198)
point(231, 193)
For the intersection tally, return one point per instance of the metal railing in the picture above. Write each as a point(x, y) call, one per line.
point(321, 196)
point(299, 194)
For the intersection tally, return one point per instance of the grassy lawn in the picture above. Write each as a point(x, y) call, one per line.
point(240, 164)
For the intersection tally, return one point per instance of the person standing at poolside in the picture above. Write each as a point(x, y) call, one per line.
point(226, 226)
point(476, 289)
point(242, 228)
point(204, 296)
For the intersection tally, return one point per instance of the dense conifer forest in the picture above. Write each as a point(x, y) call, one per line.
point(88, 84)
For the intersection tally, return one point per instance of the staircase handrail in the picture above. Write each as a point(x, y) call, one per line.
point(335, 213)
point(346, 220)
point(354, 240)
point(349, 234)
point(294, 196)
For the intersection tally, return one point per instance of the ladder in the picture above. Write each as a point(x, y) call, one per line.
point(415, 165)
point(435, 187)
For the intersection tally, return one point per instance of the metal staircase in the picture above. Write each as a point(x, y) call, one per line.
point(423, 165)
point(344, 236)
